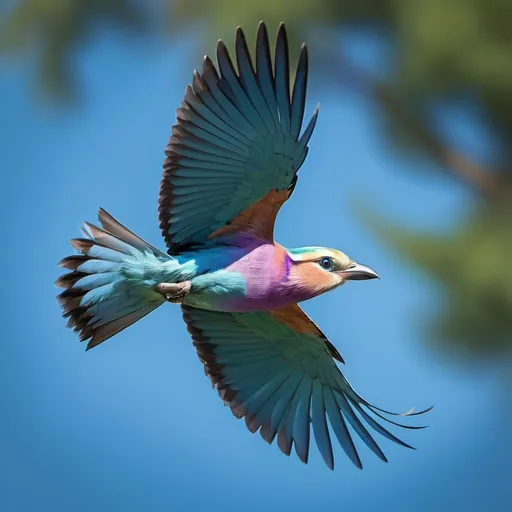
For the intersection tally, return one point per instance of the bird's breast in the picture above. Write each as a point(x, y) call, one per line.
point(264, 270)
point(253, 282)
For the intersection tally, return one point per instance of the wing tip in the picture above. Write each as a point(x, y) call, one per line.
point(281, 27)
point(262, 34)
point(221, 44)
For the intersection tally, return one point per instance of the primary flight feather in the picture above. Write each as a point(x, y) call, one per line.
point(231, 163)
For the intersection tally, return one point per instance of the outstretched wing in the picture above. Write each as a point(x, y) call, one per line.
point(236, 147)
point(275, 369)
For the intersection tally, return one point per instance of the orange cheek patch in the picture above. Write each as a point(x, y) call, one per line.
point(314, 278)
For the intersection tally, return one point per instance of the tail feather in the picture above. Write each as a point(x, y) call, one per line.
point(95, 250)
point(115, 228)
point(98, 298)
point(108, 239)
point(109, 329)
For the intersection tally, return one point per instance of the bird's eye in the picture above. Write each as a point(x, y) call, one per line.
point(326, 263)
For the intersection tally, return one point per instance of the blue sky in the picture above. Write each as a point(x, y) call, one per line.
point(134, 424)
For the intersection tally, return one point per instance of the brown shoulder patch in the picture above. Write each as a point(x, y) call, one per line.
point(258, 218)
point(293, 317)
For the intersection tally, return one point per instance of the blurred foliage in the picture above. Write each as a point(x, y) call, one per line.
point(442, 50)
point(51, 29)
point(472, 263)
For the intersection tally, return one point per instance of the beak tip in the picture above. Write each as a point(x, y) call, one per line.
point(358, 272)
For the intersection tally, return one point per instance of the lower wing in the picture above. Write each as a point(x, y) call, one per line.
point(277, 370)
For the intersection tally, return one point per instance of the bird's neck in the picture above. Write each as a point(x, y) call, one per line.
point(300, 281)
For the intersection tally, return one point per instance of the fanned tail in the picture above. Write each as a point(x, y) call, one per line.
point(101, 298)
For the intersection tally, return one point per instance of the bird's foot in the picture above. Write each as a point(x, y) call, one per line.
point(174, 292)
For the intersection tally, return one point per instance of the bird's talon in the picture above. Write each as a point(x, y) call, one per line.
point(174, 292)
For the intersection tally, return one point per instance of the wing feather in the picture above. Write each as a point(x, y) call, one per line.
point(277, 370)
point(283, 78)
point(242, 128)
point(319, 421)
point(248, 80)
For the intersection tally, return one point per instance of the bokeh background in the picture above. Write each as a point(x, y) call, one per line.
point(410, 171)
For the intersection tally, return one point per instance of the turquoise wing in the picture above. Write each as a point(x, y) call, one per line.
point(236, 147)
point(276, 370)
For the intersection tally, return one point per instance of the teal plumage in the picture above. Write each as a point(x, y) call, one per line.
point(231, 163)
point(255, 361)
point(231, 132)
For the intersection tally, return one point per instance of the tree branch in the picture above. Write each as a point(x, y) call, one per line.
point(488, 182)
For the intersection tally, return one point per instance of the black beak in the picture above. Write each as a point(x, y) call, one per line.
point(357, 272)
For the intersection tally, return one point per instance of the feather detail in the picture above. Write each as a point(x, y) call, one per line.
point(99, 299)
point(242, 128)
point(278, 373)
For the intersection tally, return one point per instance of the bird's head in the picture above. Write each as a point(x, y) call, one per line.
point(321, 269)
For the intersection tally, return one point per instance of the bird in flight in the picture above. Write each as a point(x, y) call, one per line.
point(231, 163)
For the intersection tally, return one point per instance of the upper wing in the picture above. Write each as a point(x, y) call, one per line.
point(236, 147)
point(275, 369)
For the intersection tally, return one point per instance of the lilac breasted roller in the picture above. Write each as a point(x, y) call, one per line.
point(231, 163)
